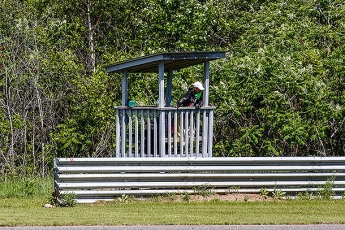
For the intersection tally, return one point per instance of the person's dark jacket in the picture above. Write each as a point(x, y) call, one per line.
point(189, 99)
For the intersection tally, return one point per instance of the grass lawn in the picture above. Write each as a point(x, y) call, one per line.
point(29, 212)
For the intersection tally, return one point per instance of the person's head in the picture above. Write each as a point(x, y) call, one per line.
point(198, 86)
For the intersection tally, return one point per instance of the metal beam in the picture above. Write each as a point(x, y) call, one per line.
point(161, 105)
point(169, 88)
point(124, 88)
point(206, 82)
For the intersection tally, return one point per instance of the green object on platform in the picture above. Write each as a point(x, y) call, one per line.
point(198, 95)
point(131, 103)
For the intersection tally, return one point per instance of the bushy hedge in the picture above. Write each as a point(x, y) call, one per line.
point(280, 91)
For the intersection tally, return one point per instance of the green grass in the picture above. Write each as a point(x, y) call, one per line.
point(28, 187)
point(22, 200)
point(29, 211)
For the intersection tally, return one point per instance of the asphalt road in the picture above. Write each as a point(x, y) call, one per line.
point(188, 227)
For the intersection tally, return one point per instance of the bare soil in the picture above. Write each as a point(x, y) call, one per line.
point(217, 197)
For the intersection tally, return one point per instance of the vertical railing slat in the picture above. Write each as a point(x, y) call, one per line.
point(161, 133)
point(136, 135)
point(204, 134)
point(118, 135)
point(155, 133)
point(186, 129)
point(197, 134)
point(142, 138)
point(191, 133)
point(210, 133)
point(181, 132)
point(123, 134)
point(175, 133)
point(169, 133)
point(148, 134)
point(130, 133)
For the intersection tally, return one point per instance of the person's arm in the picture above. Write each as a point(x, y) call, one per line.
point(199, 104)
point(184, 99)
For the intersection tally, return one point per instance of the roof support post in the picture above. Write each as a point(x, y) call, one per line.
point(124, 87)
point(205, 128)
point(206, 82)
point(162, 112)
point(161, 84)
point(169, 88)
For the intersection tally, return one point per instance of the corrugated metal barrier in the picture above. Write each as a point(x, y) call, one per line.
point(92, 179)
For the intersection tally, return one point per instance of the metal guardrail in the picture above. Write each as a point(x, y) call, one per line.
point(93, 179)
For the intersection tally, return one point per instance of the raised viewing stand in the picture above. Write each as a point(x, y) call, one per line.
point(164, 131)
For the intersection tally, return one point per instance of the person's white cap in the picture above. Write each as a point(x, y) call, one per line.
point(198, 85)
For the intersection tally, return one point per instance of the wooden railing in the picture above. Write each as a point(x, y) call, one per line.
point(164, 132)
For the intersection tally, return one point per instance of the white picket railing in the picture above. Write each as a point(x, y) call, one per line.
point(93, 179)
point(164, 132)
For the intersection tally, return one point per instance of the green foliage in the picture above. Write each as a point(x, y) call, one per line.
point(186, 196)
point(279, 92)
point(264, 192)
point(89, 132)
point(144, 213)
point(25, 188)
point(171, 195)
point(123, 198)
point(68, 200)
point(307, 195)
point(275, 94)
point(233, 189)
point(203, 190)
point(278, 193)
point(326, 192)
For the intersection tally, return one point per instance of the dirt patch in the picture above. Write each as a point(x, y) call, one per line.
point(214, 197)
point(241, 197)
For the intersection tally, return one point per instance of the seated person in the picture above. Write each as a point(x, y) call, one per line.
point(193, 97)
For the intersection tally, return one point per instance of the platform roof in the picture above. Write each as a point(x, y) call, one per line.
point(172, 61)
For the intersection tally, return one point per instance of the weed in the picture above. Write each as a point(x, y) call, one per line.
point(215, 200)
point(246, 198)
point(203, 190)
point(277, 193)
point(264, 192)
point(171, 195)
point(186, 196)
point(51, 199)
point(123, 198)
point(234, 189)
point(326, 191)
point(68, 200)
point(156, 197)
point(305, 196)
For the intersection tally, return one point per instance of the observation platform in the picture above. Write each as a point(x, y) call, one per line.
point(162, 130)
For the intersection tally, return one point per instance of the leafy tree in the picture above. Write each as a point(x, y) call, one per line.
point(286, 99)
point(279, 92)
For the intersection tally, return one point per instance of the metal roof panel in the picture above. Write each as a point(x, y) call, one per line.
point(172, 61)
